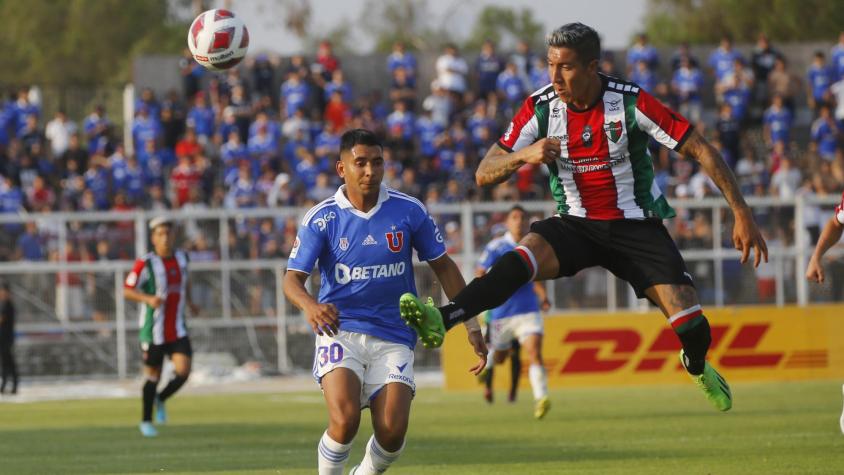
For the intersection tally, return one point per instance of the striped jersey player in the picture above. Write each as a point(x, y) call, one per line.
point(592, 133)
point(159, 282)
point(603, 170)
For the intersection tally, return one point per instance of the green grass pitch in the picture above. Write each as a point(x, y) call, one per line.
point(773, 428)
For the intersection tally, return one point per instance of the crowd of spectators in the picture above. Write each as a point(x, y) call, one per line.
point(267, 135)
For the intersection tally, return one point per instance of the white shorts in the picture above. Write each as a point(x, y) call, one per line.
point(504, 330)
point(375, 361)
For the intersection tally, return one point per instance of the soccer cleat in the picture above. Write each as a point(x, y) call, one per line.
point(147, 429)
point(541, 408)
point(160, 411)
point(713, 385)
point(424, 318)
point(488, 395)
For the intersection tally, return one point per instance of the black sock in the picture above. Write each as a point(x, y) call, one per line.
point(509, 273)
point(696, 342)
point(149, 398)
point(515, 369)
point(172, 387)
point(488, 377)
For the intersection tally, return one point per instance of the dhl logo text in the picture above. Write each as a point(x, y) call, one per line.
point(606, 350)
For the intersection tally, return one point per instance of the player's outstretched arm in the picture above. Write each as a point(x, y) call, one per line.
point(449, 276)
point(830, 235)
point(745, 233)
point(323, 317)
point(498, 164)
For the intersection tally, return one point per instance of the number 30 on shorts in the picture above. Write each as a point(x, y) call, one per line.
point(333, 354)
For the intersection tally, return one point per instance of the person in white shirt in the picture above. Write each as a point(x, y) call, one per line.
point(452, 71)
point(58, 132)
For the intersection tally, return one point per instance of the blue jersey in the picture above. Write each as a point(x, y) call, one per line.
point(820, 78)
point(524, 300)
point(837, 61)
point(779, 122)
point(366, 259)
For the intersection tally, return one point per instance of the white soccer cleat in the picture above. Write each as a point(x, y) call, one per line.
point(841, 421)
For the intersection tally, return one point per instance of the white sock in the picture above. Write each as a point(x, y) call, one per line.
point(377, 459)
point(490, 358)
point(538, 381)
point(332, 455)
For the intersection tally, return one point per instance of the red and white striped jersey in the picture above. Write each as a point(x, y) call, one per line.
point(166, 278)
point(604, 170)
point(839, 210)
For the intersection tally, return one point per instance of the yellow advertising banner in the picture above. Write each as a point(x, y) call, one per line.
point(748, 344)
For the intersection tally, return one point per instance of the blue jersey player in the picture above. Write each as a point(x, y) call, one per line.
point(363, 240)
point(518, 318)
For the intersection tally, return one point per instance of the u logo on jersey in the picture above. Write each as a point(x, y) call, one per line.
point(395, 240)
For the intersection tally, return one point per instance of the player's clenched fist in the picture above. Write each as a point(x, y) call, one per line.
point(323, 318)
point(543, 151)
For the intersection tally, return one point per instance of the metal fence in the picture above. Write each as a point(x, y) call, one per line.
point(73, 319)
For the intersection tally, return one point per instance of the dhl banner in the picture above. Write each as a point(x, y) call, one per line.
point(748, 344)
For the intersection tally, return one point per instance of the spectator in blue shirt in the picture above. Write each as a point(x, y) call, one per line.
point(338, 83)
point(294, 93)
point(23, 108)
point(153, 164)
point(478, 121)
point(820, 78)
point(427, 132)
point(539, 74)
point(308, 168)
point(149, 101)
point(488, 67)
point(511, 88)
point(201, 118)
point(97, 180)
point(30, 245)
point(96, 125)
point(723, 60)
point(133, 182)
point(242, 192)
point(644, 76)
point(836, 56)
point(686, 84)
point(401, 121)
point(145, 128)
point(327, 144)
point(825, 134)
point(401, 58)
point(642, 51)
point(263, 150)
point(777, 120)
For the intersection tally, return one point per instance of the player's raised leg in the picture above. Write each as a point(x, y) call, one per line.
point(680, 304)
point(533, 259)
point(341, 388)
point(390, 416)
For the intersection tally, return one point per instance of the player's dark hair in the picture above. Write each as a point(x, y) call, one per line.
point(581, 38)
point(358, 137)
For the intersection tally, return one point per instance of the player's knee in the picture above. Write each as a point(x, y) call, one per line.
point(344, 425)
point(390, 433)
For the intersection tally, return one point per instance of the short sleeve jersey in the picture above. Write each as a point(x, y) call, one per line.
point(365, 260)
point(604, 170)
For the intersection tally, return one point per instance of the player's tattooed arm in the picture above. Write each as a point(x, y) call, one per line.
point(746, 236)
point(498, 165)
point(713, 164)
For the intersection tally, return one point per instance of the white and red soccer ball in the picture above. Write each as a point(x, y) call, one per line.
point(218, 39)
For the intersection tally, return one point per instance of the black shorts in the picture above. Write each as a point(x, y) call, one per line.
point(153, 355)
point(640, 252)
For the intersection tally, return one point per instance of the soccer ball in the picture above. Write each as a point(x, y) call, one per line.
point(217, 39)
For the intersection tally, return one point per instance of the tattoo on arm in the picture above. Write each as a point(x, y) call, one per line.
point(496, 166)
point(698, 148)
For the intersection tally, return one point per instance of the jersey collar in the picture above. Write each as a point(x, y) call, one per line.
point(344, 203)
point(509, 237)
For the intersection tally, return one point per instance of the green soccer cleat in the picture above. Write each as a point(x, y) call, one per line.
point(541, 407)
point(713, 385)
point(424, 318)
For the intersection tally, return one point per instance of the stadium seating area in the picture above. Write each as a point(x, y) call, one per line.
point(267, 134)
